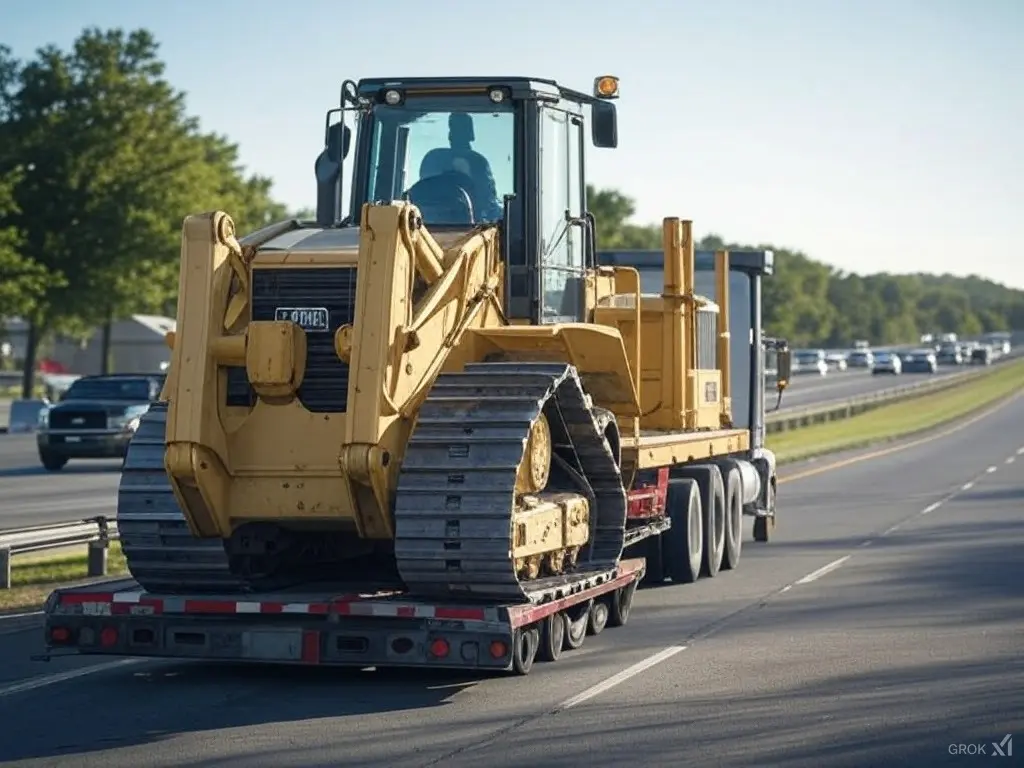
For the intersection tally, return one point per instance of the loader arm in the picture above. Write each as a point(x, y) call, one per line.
point(398, 344)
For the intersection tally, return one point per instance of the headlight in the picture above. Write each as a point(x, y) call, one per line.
point(43, 419)
point(129, 420)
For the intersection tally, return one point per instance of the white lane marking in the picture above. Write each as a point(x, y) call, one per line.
point(825, 569)
point(1010, 459)
point(62, 677)
point(20, 615)
point(1020, 451)
point(990, 470)
point(931, 508)
point(967, 486)
point(620, 677)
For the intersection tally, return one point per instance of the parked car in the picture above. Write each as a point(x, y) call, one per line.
point(95, 418)
point(887, 362)
point(919, 361)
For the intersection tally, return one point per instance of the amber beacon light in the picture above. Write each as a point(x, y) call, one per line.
point(606, 87)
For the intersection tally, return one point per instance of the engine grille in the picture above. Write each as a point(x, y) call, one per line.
point(78, 419)
point(325, 385)
point(707, 339)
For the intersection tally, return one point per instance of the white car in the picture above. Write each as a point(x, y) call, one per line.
point(887, 362)
point(810, 361)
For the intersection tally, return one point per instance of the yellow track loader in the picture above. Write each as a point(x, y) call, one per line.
point(440, 386)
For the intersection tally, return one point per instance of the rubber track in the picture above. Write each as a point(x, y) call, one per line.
point(453, 509)
point(163, 555)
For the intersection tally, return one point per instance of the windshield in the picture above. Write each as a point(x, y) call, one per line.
point(456, 166)
point(138, 390)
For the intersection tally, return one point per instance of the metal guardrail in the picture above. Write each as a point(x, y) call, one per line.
point(96, 533)
point(819, 413)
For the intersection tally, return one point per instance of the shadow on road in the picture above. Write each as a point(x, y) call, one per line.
point(91, 468)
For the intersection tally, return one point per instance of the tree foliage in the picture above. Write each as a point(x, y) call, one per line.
point(811, 303)
point(102, 164)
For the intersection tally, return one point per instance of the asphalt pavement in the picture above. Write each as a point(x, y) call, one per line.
point(882, 626)
point(29, 495)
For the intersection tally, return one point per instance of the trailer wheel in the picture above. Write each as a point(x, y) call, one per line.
point(525, 643)
point(683, 543)
point(552, 637)
point(733, 519)
point(577, 621)
point(598, 618)
point(621, 602)
point(651, 550)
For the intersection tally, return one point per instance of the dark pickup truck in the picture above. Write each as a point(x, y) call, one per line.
point(95, 418)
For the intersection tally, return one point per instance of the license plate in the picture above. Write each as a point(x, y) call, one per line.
point(310, 319)
point(71, 439)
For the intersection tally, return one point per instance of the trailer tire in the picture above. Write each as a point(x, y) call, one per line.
point(733, 518)
point(651, 550)
point(525, 643)
point(763, 525)
point(577, 622)
point(621, 602)
point(552, 637)
point(598, 618)
point(683, 543)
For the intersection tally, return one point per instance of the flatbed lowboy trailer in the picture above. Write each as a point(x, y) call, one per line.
point(338, 629)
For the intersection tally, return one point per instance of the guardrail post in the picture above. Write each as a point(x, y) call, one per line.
point(99, 549)
point(5, 568)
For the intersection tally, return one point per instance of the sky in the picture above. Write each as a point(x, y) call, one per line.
point(870, 135)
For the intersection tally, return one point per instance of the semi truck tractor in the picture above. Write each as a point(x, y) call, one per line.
point(435, 426)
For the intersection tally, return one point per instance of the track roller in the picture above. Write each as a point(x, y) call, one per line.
point(712, 497)
point(525, 644)
point(683, 543)
point(552, 637)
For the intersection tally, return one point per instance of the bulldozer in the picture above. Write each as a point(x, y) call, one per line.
point(436, 388)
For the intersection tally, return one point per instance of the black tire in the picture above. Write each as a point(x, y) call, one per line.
point(52, 462)
point(577, 621)
point(733, 518)
point(621, 602)
point(763, 526)
point(712, 500)
point(525, 643)
point(598, 618)
point(683, 543)
point(650, 549)
point(552, 637)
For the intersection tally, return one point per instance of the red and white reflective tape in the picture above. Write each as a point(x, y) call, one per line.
point(124, 603)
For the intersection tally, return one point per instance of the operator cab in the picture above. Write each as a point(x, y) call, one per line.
point(480, 151)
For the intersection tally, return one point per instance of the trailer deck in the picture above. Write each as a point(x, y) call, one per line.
point(330, 627)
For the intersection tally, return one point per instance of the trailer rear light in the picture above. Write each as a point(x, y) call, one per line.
point(439, 648)
point(498, 649)
point(59, 635)
point(108, 637)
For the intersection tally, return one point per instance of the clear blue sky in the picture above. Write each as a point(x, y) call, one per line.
point(872, 135)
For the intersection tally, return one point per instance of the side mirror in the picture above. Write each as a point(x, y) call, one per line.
point(785, 369)
point(338, 141)
point(604, 125)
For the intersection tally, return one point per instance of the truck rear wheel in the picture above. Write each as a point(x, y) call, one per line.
point(683, 543)
point(733, 519)
point(712, 498)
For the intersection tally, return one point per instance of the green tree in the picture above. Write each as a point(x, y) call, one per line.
point(110, 163)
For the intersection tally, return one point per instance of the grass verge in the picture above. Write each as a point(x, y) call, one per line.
point(33, 577)
point(899, 420)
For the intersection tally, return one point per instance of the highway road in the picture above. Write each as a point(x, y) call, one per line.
point(883, 626)
point(32, 496)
